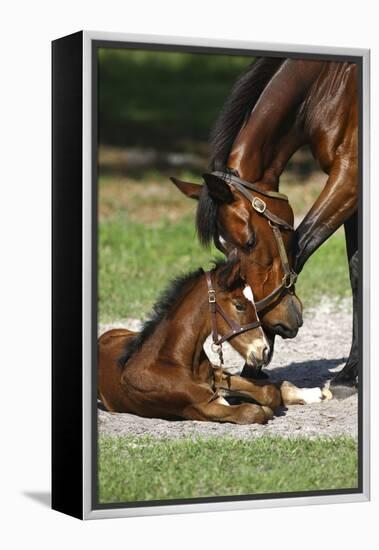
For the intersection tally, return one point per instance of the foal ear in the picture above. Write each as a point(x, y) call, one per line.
point(191, 190)
point(218, 189)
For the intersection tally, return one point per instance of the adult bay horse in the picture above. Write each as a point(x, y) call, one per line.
point(164, 372)
point(276, 107)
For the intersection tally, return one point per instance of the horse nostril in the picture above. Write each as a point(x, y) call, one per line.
point(259, 356)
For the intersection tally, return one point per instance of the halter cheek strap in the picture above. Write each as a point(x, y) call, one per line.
point(236, 329)
point(214, 307)
point(276, 223)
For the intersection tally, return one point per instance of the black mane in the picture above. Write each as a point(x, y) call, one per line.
point(244, 95)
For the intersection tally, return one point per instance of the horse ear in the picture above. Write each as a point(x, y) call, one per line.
point(230, 275)
point(218, 189)
point(191, 190)
point(234, 278)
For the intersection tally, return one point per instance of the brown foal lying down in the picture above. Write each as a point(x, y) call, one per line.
point(163, 370)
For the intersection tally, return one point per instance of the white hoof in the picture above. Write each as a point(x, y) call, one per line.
point(326, 393)
point(292, 395)
point(311, 395)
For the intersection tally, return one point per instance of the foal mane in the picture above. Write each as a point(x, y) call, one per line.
point(174, 293)
point(162, 307)
point(243, 96)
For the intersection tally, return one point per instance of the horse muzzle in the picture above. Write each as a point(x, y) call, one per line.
point(258, 354)
point(285, 319)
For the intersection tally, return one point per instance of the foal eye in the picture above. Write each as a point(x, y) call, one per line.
point(240, 307)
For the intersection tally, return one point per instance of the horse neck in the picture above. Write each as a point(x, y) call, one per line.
point(182, 333)
point(262, 148)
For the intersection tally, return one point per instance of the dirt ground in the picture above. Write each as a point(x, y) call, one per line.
point(309, 360)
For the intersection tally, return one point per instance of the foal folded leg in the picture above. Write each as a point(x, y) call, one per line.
point(264, 393)
point(218, 410)
point(292, 395)
point(271, 395)
point(169, 392)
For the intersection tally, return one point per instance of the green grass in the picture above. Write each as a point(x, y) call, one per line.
point(325, 273)
point(138, 469)
point(137, 260)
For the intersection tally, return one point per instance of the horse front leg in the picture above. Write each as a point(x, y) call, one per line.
point(336, 204)
point(344, 383)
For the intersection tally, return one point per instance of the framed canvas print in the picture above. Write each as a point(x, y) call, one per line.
point(210, 275)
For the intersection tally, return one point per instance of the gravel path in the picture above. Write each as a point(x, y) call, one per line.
point(311, 359)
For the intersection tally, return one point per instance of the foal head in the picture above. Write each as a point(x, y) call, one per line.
point(236, 299)
point(227, 217)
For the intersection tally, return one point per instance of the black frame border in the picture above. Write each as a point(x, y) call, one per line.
point(67, 270)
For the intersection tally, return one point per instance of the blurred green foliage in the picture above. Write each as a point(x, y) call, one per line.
point(165, 100)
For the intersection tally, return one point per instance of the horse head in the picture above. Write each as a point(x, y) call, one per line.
point(234, 316)
point(227, 217)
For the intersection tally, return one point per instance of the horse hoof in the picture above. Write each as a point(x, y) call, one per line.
point(342, 391)
point(326, 394)
point(268, 412)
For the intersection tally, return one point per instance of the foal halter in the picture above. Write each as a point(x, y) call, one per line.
point(277, 224)
point(235, 328)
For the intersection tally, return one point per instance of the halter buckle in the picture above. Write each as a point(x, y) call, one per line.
point(212, 296)
point(216, 348)
point(289, 279)
point(258, 204)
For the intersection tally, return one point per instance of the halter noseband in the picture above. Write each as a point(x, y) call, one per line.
point(276, 223)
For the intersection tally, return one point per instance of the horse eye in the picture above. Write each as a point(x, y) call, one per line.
point(240, 307)
point(251, 242)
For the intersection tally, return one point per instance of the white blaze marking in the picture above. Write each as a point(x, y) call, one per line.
point(258, 345)
point(248, 293)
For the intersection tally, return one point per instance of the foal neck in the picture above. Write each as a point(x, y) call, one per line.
point(187, 326)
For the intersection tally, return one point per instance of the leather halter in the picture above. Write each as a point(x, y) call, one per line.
point(277, 224)
point(235, 330)
point(214, 307)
